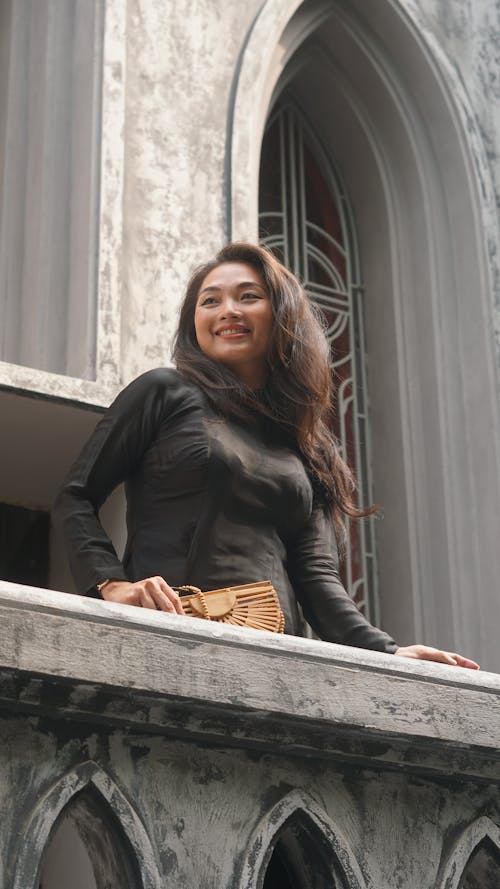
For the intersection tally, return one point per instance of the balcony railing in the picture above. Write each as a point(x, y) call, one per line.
point(209, 756)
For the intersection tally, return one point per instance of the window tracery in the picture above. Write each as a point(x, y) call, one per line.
point(306, 220)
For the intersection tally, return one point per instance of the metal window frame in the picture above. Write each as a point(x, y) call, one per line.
point(344, 298)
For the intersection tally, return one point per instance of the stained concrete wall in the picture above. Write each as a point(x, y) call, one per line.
point(200, 742)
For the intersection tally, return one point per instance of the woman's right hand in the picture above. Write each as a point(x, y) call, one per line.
point(153, 592)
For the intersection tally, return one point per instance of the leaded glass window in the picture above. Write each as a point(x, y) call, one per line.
point(305, 218)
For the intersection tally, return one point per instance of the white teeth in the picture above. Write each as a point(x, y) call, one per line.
point(231, 330)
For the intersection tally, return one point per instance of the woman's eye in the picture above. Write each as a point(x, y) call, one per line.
point(250, 295)
point(208, 301)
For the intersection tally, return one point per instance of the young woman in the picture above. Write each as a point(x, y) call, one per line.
point(232, 474)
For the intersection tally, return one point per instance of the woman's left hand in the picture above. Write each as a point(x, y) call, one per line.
point(426, 653)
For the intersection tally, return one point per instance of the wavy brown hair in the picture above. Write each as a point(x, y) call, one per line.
point(299, 391)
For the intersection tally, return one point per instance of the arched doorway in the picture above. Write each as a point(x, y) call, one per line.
point(396, 122)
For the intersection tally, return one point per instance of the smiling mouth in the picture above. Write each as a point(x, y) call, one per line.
point(232, 331)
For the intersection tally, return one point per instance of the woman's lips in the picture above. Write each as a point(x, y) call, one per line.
point(232, 331)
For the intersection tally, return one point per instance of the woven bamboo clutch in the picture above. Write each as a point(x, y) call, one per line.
point(249, 605)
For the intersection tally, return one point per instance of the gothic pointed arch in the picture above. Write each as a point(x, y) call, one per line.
point(394, 116)
point(309, 837)
point(95, 796)
point(475, 858)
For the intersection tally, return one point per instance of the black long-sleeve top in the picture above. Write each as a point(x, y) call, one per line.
point(210, 502)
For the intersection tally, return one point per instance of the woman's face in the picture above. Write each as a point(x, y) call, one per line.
point(233, 320)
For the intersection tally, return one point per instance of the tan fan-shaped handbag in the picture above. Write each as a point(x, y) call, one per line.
point(253, 605)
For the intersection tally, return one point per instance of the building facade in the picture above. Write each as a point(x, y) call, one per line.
point(132, 133)
point(362, 141)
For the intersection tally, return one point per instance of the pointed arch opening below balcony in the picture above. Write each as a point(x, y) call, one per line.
point(474, 861)
point(85, 828)
point(295, 846)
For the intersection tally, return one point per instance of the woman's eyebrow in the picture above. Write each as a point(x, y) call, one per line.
point(209, 290)
point(251, 284)
point(214, 288)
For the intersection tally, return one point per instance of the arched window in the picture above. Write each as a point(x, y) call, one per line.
point(482, 870)
point(306, 219)
point(302, 858)
point(88, 850)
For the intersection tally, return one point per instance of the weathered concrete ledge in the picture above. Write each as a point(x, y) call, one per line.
point(63, 656)
point(199, 753)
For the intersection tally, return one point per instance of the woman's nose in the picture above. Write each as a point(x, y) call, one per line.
point(229, 308)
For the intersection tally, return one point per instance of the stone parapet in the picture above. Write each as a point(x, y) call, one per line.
point(230, 733)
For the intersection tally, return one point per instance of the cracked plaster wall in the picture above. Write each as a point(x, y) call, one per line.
point(180, 66)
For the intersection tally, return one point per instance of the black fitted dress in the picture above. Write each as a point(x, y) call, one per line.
point(210, 502)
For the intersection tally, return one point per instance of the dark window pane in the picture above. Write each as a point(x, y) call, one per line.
point(24, 545)
point(483, 868)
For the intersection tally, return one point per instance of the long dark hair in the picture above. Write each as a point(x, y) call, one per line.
point(299, 392)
